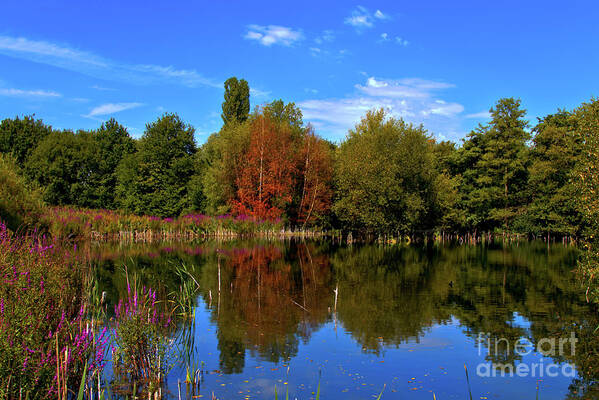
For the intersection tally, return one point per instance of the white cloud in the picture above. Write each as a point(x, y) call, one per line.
point(327, 36)
point(479, 115)
point(398, 40)
point(362, 18)
point(380, 15)
point(273, 34)
point(401, 42)
point(401, 88)
point(28, 93)
point(93, 65)
point(112, 108)
point(102, 88)
point(413, 99)
point(259, 94)
point(442, 108)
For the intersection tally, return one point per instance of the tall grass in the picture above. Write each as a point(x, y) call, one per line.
point(66, 222)
point(47, 341)
point(141, 348)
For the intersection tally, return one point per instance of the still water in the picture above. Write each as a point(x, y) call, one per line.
point(360, 319)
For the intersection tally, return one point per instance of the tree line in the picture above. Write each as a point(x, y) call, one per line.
point(386, 176)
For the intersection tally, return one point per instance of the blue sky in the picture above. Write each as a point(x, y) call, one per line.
point(443, 64)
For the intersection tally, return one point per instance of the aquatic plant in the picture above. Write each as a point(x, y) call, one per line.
point(141, 345)
point(46, 340)
point(67, 222)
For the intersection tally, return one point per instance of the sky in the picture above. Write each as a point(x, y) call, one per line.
point(440, 63)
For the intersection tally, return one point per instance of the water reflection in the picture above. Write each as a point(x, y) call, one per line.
point(267, 299)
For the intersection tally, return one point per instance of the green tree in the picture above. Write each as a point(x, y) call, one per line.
point(447, 213)
point(236, 106)
point(385, 176)
point(66, 165)
point(223, 157)
point(493, 166)
point(195, 187)
point(282, 113)
point(19, 205)
point(155, 180)
point(555, 153)
point(586, 173)
point(20, 136)
point(113, 144)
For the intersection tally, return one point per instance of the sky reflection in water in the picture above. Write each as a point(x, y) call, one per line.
point(406, 317)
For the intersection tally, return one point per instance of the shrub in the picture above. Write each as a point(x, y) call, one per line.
point(19, 206)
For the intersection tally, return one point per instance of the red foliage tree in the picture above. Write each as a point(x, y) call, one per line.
point(265, 185)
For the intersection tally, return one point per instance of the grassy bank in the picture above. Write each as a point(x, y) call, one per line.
point(71, 223)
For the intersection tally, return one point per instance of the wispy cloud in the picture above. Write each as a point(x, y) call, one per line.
point(10, 92)
point(337, 55)
point(259, 94)
point(102, 88)
point(479, 115)
point(380, 15)
point(399, 40)
point(273, 34)
point(88, 63)
point(413, 99)
point(362, 18)
point(326, 36)
point(112, 108)
point(401, 88)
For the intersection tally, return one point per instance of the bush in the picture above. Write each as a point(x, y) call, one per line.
point(20, 207)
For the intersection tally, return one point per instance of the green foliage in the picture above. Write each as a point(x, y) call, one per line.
point(142, 344)
point(236, 106)
point(385, 176)
point(282, 113)
point(113, 143)
point(65, 165)
point(493, 166)
point(586, 181)
point(223, 156)
point(154, 181)
point(555, 153)
point(390, 176)
point(20, 207)
point(587, 171)
point(20, 136)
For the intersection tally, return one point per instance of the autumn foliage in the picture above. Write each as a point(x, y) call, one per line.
point(285, 173)
point(265, 185)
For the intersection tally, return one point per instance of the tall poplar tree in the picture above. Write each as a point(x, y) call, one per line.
point(236, 106)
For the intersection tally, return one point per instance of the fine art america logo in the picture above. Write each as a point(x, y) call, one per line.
point(504, 353)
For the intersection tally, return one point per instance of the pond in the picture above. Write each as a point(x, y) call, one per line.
point(487, 321)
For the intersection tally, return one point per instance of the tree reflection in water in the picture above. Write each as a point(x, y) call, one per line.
point(274, 295)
